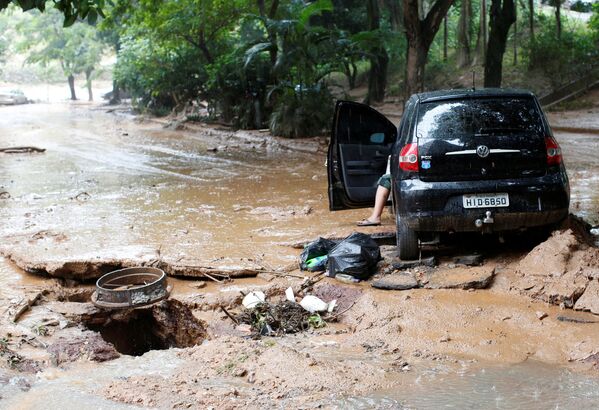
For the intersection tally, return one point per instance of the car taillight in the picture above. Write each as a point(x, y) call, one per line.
point(554, 152)
point(408, 157)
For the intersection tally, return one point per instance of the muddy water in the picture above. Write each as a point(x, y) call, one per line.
point(109, 186)
point(527, 385)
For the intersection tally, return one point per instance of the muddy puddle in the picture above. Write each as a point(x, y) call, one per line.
point(528, 385)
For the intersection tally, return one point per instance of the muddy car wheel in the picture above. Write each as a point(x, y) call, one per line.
point(407, 241)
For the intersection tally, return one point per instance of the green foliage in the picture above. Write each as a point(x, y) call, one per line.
point(302, 112)
point(157, 76)
point(76, 48)
point(564, 60)
point(594, 21)
point(71, 10)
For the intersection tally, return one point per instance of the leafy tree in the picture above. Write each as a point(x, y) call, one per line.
point(76, 49)
point(70, 9)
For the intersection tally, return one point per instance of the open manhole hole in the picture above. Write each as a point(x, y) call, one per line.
point(135, 331)
point(131, 287)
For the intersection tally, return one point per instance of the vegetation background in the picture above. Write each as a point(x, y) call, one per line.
point(281, 63)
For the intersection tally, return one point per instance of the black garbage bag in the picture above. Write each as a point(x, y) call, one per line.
point(356, 255)
point(313, 257)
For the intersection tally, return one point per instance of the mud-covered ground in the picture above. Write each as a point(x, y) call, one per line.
point(113, 191)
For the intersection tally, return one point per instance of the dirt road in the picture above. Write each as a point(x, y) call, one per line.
point(111, 191)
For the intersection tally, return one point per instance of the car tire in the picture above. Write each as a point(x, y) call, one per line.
point(407, 241)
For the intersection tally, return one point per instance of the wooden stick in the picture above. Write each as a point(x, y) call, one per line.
point(18, 150)
point(26, 307)
point(229, 315)
point(212, 277)
point(340, 313)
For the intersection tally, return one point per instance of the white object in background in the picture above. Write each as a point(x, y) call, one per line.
point(252, 299)
point(289, 294)
point(313, 304)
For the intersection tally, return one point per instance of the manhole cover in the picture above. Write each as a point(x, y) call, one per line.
point(131, 287)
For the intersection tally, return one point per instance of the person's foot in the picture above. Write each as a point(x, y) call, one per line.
point(368, 222)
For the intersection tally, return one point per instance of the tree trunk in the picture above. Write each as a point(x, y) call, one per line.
point(531, 18)
point(516, 33)
point(420, 33)
point(377, 77)
point(71, 81)
point(481, 40)
point(445, 39)
point(558, 18)
point(88, 83)
point(464, 31)
point(502, 16)
point(416, 61)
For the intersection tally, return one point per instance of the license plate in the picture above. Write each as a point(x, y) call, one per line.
point(485, 200)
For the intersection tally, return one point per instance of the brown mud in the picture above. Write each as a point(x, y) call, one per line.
point(166, 198)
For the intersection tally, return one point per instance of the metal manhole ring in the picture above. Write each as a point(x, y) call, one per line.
point(131, 287)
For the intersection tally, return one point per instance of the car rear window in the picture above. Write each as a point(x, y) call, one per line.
point(477, 116)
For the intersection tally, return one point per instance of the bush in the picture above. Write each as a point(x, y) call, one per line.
point(561, 60)
point(301, 111)
point(159, 77)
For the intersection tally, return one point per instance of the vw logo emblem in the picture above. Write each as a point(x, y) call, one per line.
point(482, 151)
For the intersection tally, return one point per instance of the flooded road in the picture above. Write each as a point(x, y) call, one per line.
point(110, 186)
point(107, 185)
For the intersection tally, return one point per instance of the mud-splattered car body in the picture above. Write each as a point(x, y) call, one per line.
point(460, 161)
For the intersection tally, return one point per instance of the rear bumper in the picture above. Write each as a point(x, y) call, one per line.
point(437, 206)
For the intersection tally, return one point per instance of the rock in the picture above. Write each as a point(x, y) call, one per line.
point(550, 258)
point(90, 346)
point(563, 290)
point(402, 265)
point(469, 260)
point(388, 254)
point(541, 315)
point(562, 318)
point(396, 281)
point(589, 301)
point(470, 278)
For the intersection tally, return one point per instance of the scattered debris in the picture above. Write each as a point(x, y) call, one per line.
point(313, 304)
point(541, 315)
point(396, 281)
point(28, 304)
point(275, 319)
point(289, 294)
point(356, 255)
point(342, 277)
point(82, 197)
point(562, 318)
point(253, 299)
point(21, 150)
point(431, 261)
point(469, 260)
point(471, 278)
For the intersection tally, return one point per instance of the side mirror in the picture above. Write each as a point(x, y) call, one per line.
point(377, 138)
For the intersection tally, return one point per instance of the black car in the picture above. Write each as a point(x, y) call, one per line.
point(461, 161)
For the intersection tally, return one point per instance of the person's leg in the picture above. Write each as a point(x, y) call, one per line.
point(380, 199)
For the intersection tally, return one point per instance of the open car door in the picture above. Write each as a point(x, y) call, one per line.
point(361, 142)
